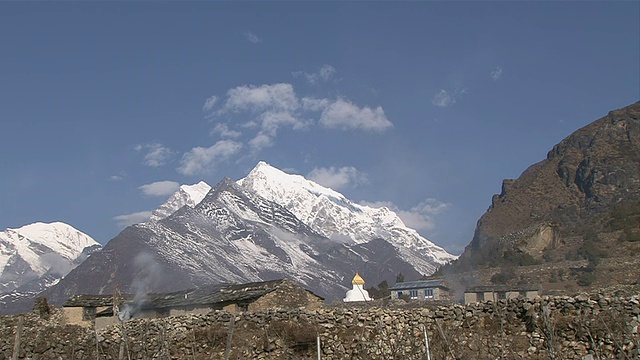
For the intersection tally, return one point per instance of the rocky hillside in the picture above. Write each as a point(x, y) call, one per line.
point(580, 203)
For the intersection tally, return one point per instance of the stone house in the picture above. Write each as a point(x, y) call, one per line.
point(499, 292)
point(430, 290)
point(256, 296)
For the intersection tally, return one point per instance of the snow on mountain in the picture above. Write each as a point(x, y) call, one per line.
point(333, 215)
point(29, 252)
point(266, 226)
point(190, 195)
point(232, 235)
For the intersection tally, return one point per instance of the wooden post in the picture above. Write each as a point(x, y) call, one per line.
point(95, 331)
point(426, 342)
point(227, 352)
point(16, 344)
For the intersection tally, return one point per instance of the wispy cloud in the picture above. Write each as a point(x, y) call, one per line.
point(251, 37)
point(223, 130)
point(272, 106)
point(443, 98)
point(156, 154)
point(420, 217)
point(496, 74)
point(342, 114)
point(265, 109)
point(202, 160)
point(210, 103)
point(160, 188)
point(253, 98)
point(338, 178)
point(325, 73)
point(118, 177)
point(129, 219)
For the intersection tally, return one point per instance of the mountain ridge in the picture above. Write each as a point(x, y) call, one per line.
point(235, 234)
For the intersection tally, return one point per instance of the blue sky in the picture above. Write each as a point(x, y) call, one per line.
point(422, 106)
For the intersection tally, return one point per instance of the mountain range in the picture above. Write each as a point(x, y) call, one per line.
point(267, 225)
point(579, 205)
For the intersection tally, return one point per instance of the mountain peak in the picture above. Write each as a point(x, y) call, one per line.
point(29, 252)
point(264, 175)
point(331, 214)
point(189, 195)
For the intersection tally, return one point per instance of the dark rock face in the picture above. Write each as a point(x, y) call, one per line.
point(583, 179)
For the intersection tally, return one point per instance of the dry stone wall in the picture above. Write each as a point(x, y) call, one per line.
point(543, 328)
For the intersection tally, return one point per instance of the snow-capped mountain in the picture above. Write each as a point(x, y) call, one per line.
point(333, 215)
point(268, 225)
point(232, 235)
point(35, 257)
point(190, 195)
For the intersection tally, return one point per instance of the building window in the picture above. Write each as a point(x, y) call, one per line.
point(399, 294)
point(480, 296)
point(502, 295)
point(428, 293)
point(413, 294)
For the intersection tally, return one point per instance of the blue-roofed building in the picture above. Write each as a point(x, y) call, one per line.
point(433, 289)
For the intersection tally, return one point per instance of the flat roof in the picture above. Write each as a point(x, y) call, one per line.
point(420, 284)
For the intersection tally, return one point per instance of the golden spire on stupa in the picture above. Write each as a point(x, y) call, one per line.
point(357, 280)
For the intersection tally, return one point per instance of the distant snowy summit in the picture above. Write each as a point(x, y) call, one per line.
point(331, 214)
point(190, 195)
point(324, 210)
point(33, 251)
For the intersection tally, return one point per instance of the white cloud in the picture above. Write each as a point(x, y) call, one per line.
point(223, 130)
point(160, 188)
point(116, 177)
point(260, 141)
point(338, 178)
point(272, 120)
point(274, 106)
point(325, 73)
point(496, 74)
point(420, 217)
point(129, 219)
point(443, 99)
point(157, 154)
point(251, 37)
point(313, 104)
point(200, 159)
point(345, 115)
point(259, 98)
point(265, 109)
point(210, 103)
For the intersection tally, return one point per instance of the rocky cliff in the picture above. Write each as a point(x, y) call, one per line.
point(589, 183)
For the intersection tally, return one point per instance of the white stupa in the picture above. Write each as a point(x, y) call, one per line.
point(358, 293)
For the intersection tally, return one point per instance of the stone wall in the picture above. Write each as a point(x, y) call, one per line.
point(541, 328)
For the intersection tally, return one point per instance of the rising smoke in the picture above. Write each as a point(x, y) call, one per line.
point(147, 277)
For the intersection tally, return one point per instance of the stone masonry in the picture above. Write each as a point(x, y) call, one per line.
point(540, 328)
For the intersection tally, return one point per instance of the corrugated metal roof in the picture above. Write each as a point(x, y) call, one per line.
point(421, 284)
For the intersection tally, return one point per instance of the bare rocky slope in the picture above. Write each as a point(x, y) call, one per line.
point(579, 207)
